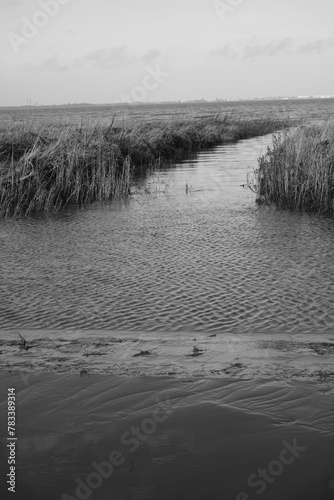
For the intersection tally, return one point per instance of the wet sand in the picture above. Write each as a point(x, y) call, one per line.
point(279, 355)
point(243, 419)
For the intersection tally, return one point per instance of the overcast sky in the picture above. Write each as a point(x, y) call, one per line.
point(102, 51)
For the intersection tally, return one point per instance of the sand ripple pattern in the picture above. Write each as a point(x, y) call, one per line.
point(189, 251)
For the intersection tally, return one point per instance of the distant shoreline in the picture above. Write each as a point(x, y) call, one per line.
point(164, 103)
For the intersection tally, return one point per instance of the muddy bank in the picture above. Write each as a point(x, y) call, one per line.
point(276, 355)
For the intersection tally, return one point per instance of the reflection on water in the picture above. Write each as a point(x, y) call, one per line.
point(211, 435)
point(190, 250)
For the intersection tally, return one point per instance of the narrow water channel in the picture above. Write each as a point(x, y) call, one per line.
point(188, 251)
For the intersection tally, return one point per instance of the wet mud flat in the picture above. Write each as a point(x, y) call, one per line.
point(234, 417)
point(123, 353)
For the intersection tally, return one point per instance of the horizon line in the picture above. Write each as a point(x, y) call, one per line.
point(143, 103)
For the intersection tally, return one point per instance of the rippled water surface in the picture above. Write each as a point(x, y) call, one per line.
point(188, 251)
point(306, 110)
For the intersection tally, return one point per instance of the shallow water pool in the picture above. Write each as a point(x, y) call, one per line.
point(188, 251)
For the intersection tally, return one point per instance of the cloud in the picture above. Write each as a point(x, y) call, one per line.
point(117, 57)
point(316, 47)
point(151, 54)
point(226, 51)
point(52, 64)
point(14, 3)
point(102, 59)
point(251, 49)
point(271, 49)
point(110, 58)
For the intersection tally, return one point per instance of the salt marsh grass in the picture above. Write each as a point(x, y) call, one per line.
point(44, 168)
point(298, 170)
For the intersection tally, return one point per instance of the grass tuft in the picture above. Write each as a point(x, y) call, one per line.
point(298, 170)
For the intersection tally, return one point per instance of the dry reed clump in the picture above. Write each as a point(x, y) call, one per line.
point(46, 169)
point(72, 168)
point(298, 170)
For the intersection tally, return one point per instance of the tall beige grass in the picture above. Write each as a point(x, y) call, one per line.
point(44, 168)
point(45, 175)
point(298, 170)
